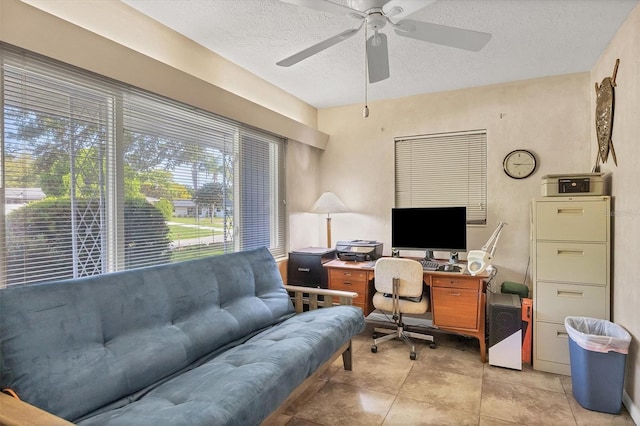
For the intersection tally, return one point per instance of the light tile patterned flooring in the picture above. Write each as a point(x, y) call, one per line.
point(444, 386)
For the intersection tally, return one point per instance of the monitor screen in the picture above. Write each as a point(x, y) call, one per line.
point(429, 228)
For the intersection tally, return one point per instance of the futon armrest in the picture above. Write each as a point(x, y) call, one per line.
point(309, 296)
point(16, 412)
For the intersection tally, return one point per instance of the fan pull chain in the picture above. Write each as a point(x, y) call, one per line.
point(365, 111)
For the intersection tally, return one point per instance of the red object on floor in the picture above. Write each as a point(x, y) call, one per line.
point(527, 314)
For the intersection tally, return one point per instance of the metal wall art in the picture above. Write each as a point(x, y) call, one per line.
point(605, 101)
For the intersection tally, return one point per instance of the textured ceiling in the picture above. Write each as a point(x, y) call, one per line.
point(531, 38)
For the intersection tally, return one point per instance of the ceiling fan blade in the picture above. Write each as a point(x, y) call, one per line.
point(316, 48)
point(442, 34)
point(400, 9)
point(327, 6)
point(377, 58)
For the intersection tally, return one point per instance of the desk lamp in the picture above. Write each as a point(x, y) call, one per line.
point(479, 260)
point(328, 203)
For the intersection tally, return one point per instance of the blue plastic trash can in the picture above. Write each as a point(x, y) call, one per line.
point(598, 352)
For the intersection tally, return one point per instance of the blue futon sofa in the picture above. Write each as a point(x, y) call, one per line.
point(212, 341)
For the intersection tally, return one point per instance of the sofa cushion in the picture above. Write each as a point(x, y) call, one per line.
point(70, 347)
point(245, 384)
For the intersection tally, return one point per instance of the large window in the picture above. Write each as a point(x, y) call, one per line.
point(97, 176)
point(442, 170)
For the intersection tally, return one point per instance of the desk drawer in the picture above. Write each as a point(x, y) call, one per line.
point(347, 275)
point(356, 286)
point(552, 342)
point(468, 283)
point(572, 262)
point(555, 301)
point(455, 307)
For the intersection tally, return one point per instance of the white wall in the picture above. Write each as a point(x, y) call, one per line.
point(625, 178)
point(303, 177)
point(547, 116)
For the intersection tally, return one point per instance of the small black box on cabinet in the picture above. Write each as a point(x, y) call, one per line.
point(305, 266)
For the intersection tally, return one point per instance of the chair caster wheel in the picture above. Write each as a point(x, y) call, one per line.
point(374, 348)
point(432, 345)
point(412, 355)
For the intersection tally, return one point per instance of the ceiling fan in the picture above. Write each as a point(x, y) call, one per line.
point(376, 14)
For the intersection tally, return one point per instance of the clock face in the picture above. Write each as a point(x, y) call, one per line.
point(519, 164)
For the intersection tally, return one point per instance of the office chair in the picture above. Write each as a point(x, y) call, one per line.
point(399, 290)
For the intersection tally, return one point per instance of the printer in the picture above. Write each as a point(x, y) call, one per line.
point(359, 250)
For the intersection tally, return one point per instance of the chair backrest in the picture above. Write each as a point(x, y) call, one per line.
point(407, 271)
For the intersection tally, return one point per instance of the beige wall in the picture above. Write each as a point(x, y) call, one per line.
point(547, 116)
point(624, 189)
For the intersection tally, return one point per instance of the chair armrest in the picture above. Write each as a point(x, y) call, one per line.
point(314, 302)
point(16, 412)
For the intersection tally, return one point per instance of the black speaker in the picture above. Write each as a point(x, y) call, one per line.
point(505, 330)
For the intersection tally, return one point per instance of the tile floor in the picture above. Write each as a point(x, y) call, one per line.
point(444, 386)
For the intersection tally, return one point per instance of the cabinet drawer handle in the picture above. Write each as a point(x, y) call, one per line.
point(454, 294)
point(304, 269)
point(562, 334)
point(347, 274)
point(347, 282)
point(571, 210)
point(569, 293)
point(570, 252)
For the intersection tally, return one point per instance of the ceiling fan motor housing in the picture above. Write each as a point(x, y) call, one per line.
point(376, 21)
point(365, 5)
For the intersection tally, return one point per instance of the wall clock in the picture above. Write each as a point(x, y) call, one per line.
point(519, 164)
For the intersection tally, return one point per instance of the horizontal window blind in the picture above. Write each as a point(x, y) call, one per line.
point(54, 139)
point(440, 170)
point(98, 176)
point(175, 154)
point(262, 179)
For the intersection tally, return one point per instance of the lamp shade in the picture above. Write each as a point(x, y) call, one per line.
point(329, 203)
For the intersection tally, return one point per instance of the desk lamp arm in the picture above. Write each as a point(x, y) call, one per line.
point(493, 239)
point(479, 260)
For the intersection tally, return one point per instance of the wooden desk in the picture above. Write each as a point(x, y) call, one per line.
point(356, 277)
point(457, 300)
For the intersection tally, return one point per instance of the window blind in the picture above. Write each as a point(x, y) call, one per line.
point(262, 180)
point(55, 131)
point(445, 169)
point(98, 176)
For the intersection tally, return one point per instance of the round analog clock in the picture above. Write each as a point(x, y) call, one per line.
point(519, 164)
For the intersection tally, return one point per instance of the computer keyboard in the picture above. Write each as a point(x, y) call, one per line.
point(429, 265)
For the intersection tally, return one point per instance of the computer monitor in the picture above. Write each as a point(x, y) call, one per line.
point(430, 229)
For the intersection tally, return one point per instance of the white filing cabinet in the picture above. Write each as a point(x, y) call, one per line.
point(570, 248)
